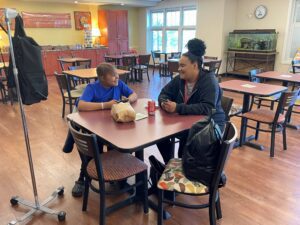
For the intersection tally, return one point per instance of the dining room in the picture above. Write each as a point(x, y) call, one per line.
point(167, 64)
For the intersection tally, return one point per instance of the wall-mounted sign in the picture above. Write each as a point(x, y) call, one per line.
point(46, 20)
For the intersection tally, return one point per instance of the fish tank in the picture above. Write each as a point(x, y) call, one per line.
point(253, 40)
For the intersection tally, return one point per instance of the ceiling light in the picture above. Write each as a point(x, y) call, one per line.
point(76, 2)
point(122, 4)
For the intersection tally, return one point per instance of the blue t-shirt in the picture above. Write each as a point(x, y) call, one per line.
point(96, 92)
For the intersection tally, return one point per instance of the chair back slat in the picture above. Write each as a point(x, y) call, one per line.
point(253, 77)
point(109, 60)
point(155, 55)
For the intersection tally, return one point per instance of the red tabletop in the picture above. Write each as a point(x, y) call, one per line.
point(274, 75)
point(251, 88)
point(134, 135)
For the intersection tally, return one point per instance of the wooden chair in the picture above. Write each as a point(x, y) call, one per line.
point(226, 104)
point(68, 95)
point(142, 67)
point(110, 60)
point(123, 77)
point(275, 120)
point(295, 69)
point(214, 66)
point(174, 180)
point(129, 62)
point(257, 100)
point(78, 84)
point(156, 59)
point(111, 166)
point(173, 68)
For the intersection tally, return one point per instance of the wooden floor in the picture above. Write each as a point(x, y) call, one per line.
point(259, 191)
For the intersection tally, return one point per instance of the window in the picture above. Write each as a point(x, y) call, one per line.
point(293, 40)
point(157, 40)
point(157, 19)
point(170, 29)
point(186, 36)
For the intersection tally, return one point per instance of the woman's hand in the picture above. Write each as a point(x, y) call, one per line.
point(169, 106)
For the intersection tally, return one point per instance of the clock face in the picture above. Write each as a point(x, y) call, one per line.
point(260, 11)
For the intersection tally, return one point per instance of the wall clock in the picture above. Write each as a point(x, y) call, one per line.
point(260, 11)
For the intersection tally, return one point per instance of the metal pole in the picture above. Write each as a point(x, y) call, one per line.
point(24, 123)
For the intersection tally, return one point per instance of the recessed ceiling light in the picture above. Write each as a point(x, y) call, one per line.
point(76, 2)
point(122, 4)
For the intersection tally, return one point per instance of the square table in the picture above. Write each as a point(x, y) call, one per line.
point(286, 78)
point(248, 89)
point(134, 136)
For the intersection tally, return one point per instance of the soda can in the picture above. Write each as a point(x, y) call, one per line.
point(151, 108)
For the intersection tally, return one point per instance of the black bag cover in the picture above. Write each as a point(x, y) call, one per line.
point(200, 155)
point(31, 74)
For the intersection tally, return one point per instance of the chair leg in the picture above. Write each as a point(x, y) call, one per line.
point(145, 199)
point(218, 207)
point(85, 194)
point(272, 140)
point(259, 104)
point(148, 75)
point(257, 130)
point(160, 207)
point(212, 211)
point(272, 105)
point(284, 137)
point(102, 207)
point(64, 108)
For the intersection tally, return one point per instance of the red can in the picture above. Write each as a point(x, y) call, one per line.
point(151, 108)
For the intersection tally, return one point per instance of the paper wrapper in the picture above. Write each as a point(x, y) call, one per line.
point(123, 112)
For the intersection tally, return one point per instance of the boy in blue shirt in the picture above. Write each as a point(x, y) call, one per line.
point(100, 95)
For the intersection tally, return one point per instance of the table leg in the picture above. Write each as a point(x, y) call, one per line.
point(139, 191)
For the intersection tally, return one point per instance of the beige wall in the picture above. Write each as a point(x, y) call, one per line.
point(52, 36)
point(210, 17)
point(133, 23)
point(276, 18)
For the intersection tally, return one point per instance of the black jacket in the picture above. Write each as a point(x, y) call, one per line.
point(205, 97)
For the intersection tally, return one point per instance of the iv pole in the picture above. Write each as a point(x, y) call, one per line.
point(36, 206)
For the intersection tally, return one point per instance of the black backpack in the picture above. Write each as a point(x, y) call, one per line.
point(32, 78)
point(201, 152)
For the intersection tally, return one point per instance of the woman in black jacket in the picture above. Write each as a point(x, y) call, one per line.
point(194, 92)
